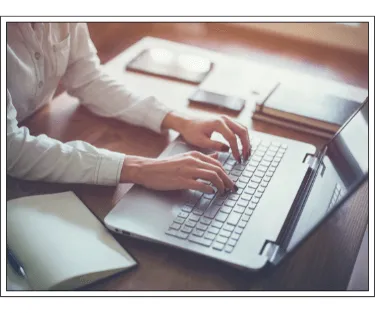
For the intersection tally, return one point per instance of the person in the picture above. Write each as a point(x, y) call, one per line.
point(40, 56)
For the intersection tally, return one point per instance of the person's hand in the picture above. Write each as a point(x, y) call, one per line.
point(182, 171)
point(198, 133)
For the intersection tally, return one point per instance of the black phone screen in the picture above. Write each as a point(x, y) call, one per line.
point(219, 100)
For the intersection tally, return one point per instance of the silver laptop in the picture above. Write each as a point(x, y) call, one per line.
point(285, 189)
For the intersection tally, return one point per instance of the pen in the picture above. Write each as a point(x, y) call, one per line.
point(15, 264)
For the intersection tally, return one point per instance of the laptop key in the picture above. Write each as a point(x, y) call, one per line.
point(202, 241)
point(202, 227)
point(241, 185)
point(267, 158)
point(251, 168)
point(251, 190)
point(234, 218)
point(264, 184)
point(190, 223)
point(243, 203)
point(209, 195)
point(233, 196)
point(236, 173)
point(175, 226)
point(225, 233)
point(186, 229)
point(246, 197)
point(232, 242)
point(198, 233)
point(228, 227)
point(247, 173)
point(230, 203)
point(194, 217)
point(261, 189)
point(267, 179)
point(183, 214)
point(182, 235)
point(262, 168)
point(258, 194)
point(179, 220)
point(242, 224)
point(239, 167)
point(259, 174)
point(221, 239)
point(255, 200)
point(213, 230)
point(205, 220)
point(211, 211)
point(255, 179)
point(226, 209)
point(252, 205)
point(252, 185)
point(245, 218)
point(238, 209)
point(218, 246)
point(244, 179)
point(248, 211)
point(210, 236)
point(198, 212)
point(187, 209)
point(221, 217)
point(229, 249)
point(172, 232)
point(217, 224)
point(236, 235)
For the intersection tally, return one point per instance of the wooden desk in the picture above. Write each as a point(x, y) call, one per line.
point(324, 262)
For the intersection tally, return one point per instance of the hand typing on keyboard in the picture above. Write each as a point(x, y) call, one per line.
point(192, 170)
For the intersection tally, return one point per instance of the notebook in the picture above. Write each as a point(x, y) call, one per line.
point(60, 244)
point(321, 114)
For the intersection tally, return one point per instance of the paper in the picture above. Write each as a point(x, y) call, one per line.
point(60, 243)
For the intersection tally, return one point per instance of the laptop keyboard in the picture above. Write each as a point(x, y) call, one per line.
point(217, 221)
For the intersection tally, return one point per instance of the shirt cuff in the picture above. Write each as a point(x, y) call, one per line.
point(155, 115)
point(109, 167)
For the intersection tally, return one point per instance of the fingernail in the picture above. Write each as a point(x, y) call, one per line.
point(224, 148)
point(235, 188)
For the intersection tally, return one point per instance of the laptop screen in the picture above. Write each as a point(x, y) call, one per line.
point(344, 164)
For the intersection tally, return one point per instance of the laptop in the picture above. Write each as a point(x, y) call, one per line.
point(286, 188)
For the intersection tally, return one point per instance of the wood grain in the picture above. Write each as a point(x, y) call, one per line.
point(324, 262)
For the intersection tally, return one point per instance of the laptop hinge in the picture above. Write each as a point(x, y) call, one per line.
point(272, 251)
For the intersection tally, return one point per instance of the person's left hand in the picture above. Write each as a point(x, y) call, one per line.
point(198, 133)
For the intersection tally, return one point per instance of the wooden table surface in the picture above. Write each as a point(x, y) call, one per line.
point(325, 260)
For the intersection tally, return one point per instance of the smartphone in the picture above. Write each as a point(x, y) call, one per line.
point(221, 101)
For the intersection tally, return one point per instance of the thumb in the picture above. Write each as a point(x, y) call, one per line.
point(215, 145)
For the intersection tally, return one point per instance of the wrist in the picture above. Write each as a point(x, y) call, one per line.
point(131, 168)
point(175, 121)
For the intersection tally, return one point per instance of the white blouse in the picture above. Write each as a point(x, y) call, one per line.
point(38, 59)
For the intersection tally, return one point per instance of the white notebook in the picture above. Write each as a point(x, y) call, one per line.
point(60, 244)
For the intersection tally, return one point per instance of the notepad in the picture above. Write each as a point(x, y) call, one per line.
point(60, 243)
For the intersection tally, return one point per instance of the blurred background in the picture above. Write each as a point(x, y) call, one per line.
point(338, 51)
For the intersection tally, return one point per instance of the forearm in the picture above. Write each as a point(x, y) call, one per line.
point(175, 120)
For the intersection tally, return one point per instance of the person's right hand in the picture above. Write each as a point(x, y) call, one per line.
point(181, 171)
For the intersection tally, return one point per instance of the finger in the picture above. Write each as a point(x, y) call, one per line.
point(207, 158)
point(214, 145)
point(211, 176)
point(243, 133)
point(196, 185)
point(219, 170)
point(230, 136)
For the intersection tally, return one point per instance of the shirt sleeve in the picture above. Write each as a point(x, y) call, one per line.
point(43, 158)
point(100, 93)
